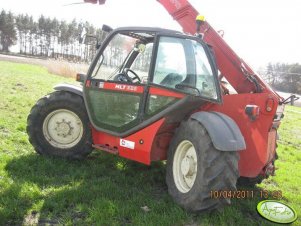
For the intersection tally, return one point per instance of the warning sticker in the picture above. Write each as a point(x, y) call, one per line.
point(127, 144)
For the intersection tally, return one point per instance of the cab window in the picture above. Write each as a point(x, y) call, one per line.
point(182, 64)
point(170, 66)
point(113, 57)
point(204, 76)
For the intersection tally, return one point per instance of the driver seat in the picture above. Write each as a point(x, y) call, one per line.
point(171, 80)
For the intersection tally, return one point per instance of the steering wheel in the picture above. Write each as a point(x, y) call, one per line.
point(124, 77)
point(136, 77)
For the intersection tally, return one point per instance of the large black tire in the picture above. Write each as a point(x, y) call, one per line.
point(249, 182)
point(58, 125)
point(215, 170)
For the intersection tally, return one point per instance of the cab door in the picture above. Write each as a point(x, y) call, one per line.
point(114, 94)
point(114, 107)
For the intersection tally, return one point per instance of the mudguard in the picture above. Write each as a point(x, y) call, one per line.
point(70, 88)
point(224, 132)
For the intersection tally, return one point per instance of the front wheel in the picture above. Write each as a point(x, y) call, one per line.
point(195, 169)
point(58, 125)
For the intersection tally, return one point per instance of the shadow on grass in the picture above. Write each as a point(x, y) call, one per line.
point(60, 189)
point(106, 190)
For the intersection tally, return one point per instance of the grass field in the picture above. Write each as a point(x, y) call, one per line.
point(106, 189)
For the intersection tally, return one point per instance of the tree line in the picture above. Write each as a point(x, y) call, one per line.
point(283, 77)
point(46, 37)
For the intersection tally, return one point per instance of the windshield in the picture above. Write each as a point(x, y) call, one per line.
point(113, 57)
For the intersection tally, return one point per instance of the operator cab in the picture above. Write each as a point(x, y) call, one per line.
point(140, 75)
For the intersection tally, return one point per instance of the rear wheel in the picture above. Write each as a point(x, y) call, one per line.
point(249, 182)
point(58, 125)
point(195, 169)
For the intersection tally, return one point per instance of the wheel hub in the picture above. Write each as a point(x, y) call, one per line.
point(185, 166)
point(188, 166)
point(64, 128)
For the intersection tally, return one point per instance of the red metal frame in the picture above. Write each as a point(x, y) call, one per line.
point(143, 141)
point(259, 134)
point(163, 92)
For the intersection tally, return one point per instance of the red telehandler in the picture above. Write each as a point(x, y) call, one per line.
point(154, 94)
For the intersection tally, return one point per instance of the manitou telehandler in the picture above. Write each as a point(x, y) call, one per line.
point(154, 94)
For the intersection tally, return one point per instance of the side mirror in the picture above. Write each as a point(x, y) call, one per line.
point(106, 28)
point(81, 77)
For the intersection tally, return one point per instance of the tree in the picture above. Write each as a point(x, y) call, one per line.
point(73, 36)
point(20, 27)
point(63, 36)
point(8, 34)
point(294, 76)
point(284, 77)
point(48, 32)
point(34, 38)
point(31, 28)
point(54, 35)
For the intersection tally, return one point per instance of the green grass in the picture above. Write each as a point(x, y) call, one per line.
point(105, 189)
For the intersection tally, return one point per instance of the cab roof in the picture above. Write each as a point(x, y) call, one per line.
point(145, 34)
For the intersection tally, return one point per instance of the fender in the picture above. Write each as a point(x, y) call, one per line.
point(69, 88)
point(224, 132)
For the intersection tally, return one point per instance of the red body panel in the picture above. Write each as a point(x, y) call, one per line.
point(257, 133)
point(142, 139)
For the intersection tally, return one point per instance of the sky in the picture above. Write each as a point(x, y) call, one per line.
point(259, 31)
